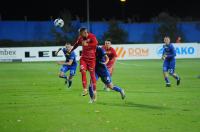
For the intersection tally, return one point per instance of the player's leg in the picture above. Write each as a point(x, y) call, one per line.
point(172, 72)
point(62, 73)
point(72, 73)
point(91, 91)
point(93, 84)
point(165, 74)
point(111, 68)
point(91, 68)
point(83, 68)
point(168, 84)
point(117, 89)
point(106, 79)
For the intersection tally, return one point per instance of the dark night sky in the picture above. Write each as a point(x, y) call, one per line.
point(145, 9)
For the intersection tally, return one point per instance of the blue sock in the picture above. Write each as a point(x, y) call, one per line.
point(118, 89)
point(91, 92)
point(167, 80)
point(176, 77)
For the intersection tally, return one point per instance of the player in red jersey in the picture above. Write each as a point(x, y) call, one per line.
point(112, 55)
point(89, 43)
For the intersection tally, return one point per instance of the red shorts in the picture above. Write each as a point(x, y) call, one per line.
point(87, 64)
point(110, 69)
point(110, 64)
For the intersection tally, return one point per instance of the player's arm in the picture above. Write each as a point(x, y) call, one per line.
point(163, 54)
point(103, 53)
point(56, 53)
point(70, 62)
point(93, 42)
point(113, 59)
point(66, 63)
point(77, 43)
point(74, 47)
point(107, 59)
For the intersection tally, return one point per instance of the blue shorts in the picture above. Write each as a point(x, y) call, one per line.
point(169, 66)
point(103, 73)
point(72, 69)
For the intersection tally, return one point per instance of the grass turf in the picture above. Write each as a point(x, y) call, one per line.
point(33, 98)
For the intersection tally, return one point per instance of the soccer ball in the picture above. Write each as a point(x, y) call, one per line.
point(59, 22)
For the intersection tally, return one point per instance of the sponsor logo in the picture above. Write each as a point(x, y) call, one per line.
point(120, 52)
point(185, 50)
point(5, 52)
point(29, 54)
point(138, 51)
point(179, 50)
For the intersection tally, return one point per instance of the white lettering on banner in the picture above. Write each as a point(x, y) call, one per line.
point(124, 52)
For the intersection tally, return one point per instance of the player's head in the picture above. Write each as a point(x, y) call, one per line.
point(107, 43)
point(83, 32)
point(167, 40)
point(68, 46)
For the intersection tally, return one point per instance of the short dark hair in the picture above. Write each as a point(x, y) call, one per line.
point(82, 29)
point(108, 40)
point(166, 36)
point(68, 43)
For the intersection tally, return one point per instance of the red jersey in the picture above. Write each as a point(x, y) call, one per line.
point(111, 53)
point(89, 51)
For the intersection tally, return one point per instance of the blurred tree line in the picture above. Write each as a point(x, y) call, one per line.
point(167, 26)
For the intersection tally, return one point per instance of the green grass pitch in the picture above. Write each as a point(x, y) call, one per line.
point(34, 99)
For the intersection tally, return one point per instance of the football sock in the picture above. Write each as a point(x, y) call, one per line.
point(91, 92)
point(84, 79)
point(167, 80)
point(176, 77)
point(116, 88)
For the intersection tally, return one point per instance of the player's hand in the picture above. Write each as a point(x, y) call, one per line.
point(84, 43)
point(164, 56)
